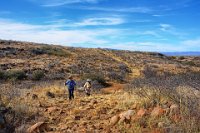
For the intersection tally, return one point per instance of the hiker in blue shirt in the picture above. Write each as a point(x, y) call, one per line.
point(70, 83)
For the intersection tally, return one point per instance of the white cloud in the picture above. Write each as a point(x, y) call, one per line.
point(149, 46)
point(165, 27)
point(101, 37)
point(12, 30)
point(100, 21)
point(192, 43)
point(54, 3)
point(119, 9)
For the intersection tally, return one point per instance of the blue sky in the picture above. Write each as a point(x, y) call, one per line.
point(142, 25)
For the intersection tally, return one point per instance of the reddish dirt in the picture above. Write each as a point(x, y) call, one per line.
point(115, 87)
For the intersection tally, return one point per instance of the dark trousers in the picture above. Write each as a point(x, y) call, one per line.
point(71, 93)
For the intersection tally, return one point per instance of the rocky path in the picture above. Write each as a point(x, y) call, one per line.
point(111, 111)
point(83, 114)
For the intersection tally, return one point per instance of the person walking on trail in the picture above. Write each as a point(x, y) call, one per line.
point(70, 83)
point(88, 87)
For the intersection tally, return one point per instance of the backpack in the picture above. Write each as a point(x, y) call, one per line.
point(71, 84)
point(90, 84)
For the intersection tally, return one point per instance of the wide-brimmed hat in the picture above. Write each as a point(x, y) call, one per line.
point(89, 80)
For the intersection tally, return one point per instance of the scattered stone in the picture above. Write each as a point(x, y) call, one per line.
point(38, 128)
point(52, 109)
point(164, 106)
point(50, 95)
point(157, 111)
point(126, 115)
point(94, 102)
point(167, 111)
point(176, 117)
point(141, 112)
point(114, 120)
point(174, 109)
point(161, 124)
point(123, 117)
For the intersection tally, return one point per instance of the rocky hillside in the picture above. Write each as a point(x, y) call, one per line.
point(23, 60)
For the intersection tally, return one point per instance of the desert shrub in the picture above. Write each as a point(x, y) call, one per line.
point(149, 72)
point(56, 76)
point(38, 75)
point(37, 51)
point(157, 54)
point(2, 75)
point(172, 57)
point(188, 111)
point(190, 63)
point(124, 67)
point(96, 77)
point(15, 74)
point(50, 50)
point(116, 76)
point(12, 75)
point(181, 58)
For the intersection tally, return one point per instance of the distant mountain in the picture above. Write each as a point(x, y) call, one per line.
point(182, 53)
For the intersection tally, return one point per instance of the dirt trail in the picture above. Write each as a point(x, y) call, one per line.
point(135, 72)
point(115, 87)
point(83, 114)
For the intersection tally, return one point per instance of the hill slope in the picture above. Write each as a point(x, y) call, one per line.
point(57, 61)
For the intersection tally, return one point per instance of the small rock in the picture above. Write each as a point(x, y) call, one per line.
point(167, 111)
point(174, 109)
point(141, 112)
point(52, 109)
point(176, 117)
point(157, 111)
point(127, 114)
point(40, 126)
point(165, 106)
point(161, 125)
point(114, 120)
point(94, 102)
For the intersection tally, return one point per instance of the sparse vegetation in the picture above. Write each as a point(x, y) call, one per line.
point(2, 75)
point(96, 77)
point(38, 75)
point(12, 75)
point(50, 50)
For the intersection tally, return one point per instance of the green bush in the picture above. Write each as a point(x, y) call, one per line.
point(181, 58)
point(50, 50)
point(119, 77)
point(172, 57)
point(38, 75)
point(15, 74)
point(2, 75)
point(190, 63)
point(98, 77)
